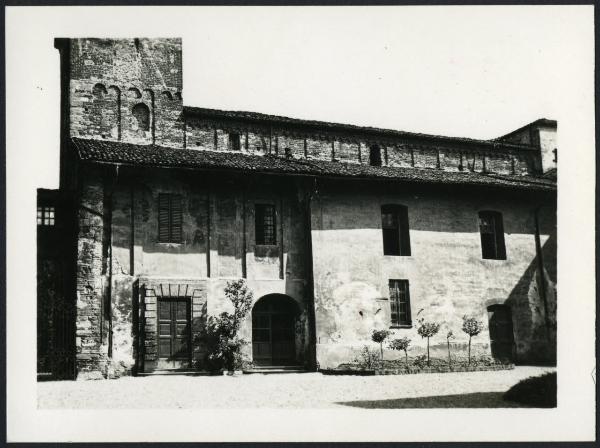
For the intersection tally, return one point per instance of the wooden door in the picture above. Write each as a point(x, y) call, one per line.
point(174, 330)
point(501, 332)
point(273, 332)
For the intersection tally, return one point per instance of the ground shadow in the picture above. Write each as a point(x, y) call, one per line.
point(474, 400)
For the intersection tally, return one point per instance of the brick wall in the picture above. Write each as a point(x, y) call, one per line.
point(108, 77)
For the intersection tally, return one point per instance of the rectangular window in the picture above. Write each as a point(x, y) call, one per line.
point(394, 225)
point(265, 224)
point(400, 303)
point(170, 217)
point(492, 235)
point(234, 141)
point(45, 216)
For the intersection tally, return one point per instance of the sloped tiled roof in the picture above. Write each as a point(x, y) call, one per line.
point(108, 152)
point(325, 126)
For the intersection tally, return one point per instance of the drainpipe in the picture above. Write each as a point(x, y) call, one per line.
point(310, 277)
point(540, 265)
point(109, 199)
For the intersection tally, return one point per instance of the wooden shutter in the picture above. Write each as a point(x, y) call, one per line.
point(176, 219)
point(499, 228)
point(163, 218)
point(404, 231)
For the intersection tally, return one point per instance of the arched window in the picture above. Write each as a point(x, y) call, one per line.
point(491, 229)
point(142, 115)
point(99, 90)
point(375, 155)
point(394, 226)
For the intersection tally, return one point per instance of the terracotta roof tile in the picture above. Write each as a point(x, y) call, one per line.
point(102, 151)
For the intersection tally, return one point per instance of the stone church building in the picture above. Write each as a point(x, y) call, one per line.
point(337, 229)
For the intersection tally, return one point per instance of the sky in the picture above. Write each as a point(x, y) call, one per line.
point(476, 72)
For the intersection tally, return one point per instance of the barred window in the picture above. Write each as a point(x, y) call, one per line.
point(265, 224)
point(170, 217)
point(45, 216)
point(394, 226)
point(399, 303)
point(492, 235)
point(234, 141)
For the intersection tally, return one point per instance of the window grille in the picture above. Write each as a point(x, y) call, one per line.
point(491, 230)
point(265, 224)
point(399, 303)
point(45, 216)
point(170, 217)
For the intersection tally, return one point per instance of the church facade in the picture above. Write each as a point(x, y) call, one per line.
point(337, 229)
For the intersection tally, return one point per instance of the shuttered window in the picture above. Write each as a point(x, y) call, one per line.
point(265, 224)
point(491, 230)
point(394, 226)
point(399, 303)
point(170, 218)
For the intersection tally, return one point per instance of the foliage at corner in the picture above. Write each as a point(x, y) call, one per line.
point(224, 344)
point(538, 391)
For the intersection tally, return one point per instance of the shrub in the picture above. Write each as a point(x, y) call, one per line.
point(421, 361)
point(224, 344)
point(401, 344)
point(538, 391)
point(427, 330)
point(472, 327)
point(380, 336)
point(368, 359)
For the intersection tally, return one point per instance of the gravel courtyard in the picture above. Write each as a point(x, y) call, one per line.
point(289, 390)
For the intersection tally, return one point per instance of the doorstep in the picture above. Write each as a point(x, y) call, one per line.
point(276, 369)
point(187, 372)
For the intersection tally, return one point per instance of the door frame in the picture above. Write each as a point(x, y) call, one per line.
point(167, 363)
point(294, 313)
point(491, 310)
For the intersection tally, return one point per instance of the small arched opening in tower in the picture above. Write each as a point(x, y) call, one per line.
point(142, 115)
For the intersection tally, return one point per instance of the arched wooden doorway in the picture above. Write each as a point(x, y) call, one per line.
point(502, 339)
point(273, 331)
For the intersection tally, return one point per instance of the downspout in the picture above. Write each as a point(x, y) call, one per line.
point(540, 266)
point(310, 278)
point(109, 313)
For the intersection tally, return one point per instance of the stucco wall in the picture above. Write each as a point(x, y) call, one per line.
point(119, 223)
point(447, 276)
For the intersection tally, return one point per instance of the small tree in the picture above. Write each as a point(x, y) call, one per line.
point(427, 330)
point(401, 345)
point(224, 344)
point(449, 336)
point(380, 336)
point(472, 327)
